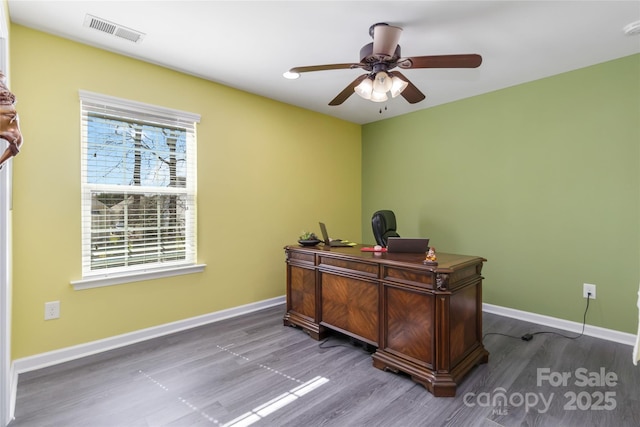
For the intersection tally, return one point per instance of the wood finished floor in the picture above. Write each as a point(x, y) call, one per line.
point(229, 372)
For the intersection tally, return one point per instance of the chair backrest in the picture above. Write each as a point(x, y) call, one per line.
point(384, 226)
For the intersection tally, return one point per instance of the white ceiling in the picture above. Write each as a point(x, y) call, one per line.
point(249, 44)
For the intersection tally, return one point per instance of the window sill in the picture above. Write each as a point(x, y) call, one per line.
point(118, 279)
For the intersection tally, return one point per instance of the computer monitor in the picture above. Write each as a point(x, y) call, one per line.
point(407, 244)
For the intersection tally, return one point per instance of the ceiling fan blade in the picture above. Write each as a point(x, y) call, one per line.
point(411, 93)
point(385, 40)
point(441, 61)
point(347, 91)
point(324, 67)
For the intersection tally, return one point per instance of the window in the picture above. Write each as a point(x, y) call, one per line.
point(138, 188)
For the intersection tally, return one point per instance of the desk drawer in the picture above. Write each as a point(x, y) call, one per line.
point(359, 268)
point(299, 257)
point(407, 276)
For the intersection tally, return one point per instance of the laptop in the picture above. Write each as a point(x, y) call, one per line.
point(333, 243)
point(407, 244)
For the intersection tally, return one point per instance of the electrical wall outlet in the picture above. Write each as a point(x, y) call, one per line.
point(51, 310)
point(588, 288)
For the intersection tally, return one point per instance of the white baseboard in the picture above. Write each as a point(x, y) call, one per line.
point(553, 322)
point(55, 357)
point(13, 389)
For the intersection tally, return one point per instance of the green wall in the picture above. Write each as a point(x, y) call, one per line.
point(542, 179)
point(259, 187)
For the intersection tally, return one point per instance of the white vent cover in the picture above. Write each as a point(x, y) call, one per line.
point(113, 29)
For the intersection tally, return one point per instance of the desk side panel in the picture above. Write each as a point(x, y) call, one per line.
point(302, 291)
point(465, 329)
point(409, 324)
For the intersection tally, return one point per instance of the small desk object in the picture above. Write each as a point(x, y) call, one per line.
point(424, 320)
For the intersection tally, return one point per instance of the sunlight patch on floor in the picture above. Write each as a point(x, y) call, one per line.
point(273, 405)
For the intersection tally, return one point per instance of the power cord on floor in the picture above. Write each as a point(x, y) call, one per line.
point(529, 336)
point(323, 344)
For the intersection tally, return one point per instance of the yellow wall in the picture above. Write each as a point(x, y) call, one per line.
point(260, 183)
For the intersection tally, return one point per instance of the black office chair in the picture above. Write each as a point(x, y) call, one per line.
point(384, 226)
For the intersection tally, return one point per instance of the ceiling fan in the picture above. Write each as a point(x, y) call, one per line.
point(378, 59)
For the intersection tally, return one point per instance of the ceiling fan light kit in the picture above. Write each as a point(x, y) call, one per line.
point(375, 87)
point(365, 88)
point(382, 82)
point(381, 56)
point(378, 96)
point(398, 85)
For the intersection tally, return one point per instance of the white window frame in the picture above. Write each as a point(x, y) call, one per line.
point(115, 276)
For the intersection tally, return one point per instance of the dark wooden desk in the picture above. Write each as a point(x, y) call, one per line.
point(423, 320)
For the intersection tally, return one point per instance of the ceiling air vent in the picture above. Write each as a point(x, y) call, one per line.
point(113, 29)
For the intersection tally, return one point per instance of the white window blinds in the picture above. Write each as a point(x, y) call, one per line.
point(138, 186)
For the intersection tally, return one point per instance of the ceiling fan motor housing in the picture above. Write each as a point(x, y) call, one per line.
point(367, 57)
